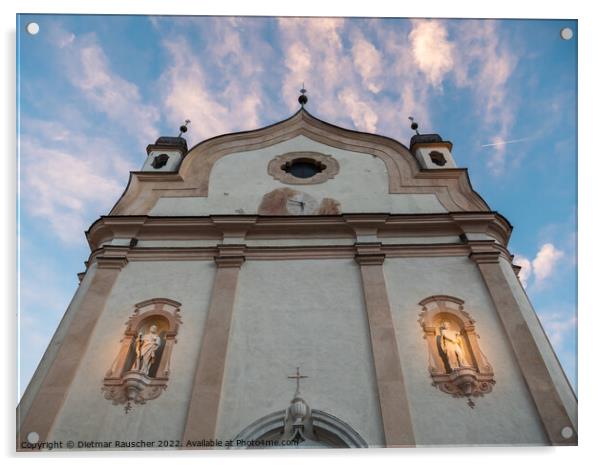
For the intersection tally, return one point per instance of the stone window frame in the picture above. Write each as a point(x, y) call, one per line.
point(275, 167)
point(123, 385)
point(463, 382)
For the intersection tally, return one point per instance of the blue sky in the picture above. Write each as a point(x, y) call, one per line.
point(95, 90)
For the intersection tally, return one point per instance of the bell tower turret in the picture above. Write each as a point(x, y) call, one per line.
point(431, 151)
point(166, 154)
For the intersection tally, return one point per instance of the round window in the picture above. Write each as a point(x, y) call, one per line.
point(303, 168)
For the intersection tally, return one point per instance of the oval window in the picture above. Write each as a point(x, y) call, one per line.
point(303, 168)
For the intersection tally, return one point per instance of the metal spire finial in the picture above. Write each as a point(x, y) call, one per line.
point(184, 128)
point(303, 98)
point(414, 125)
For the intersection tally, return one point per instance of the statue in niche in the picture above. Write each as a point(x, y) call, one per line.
point(455, 360)
point(146, 349)
point(449, 344)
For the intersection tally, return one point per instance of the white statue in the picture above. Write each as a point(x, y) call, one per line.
point(450, 344)
point(146, 347)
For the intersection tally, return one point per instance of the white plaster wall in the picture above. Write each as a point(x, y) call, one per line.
point(239, 181)
point(507, 415)
point(86, 415)
point(300, 313)
point(560, 381)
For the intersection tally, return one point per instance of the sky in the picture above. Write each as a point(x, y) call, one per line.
point(93, 91)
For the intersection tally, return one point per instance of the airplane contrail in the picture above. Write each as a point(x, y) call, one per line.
point(505, 142)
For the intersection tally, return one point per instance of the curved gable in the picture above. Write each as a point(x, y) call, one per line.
point(402, 175)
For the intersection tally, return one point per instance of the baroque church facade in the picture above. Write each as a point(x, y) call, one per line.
point(299, 285)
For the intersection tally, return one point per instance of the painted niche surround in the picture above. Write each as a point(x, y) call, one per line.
point(129, 381)
point(456, 363)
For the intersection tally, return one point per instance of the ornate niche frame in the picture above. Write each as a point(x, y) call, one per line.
point(123, 383)
point(474, 375)
point(330, 167)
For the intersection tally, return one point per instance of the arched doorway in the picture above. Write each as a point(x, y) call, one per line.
point(319, 430)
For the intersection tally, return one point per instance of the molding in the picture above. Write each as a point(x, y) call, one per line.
point(230, 261)
point(309, 252)
point(418, 145)
point(441, 297)
point(234, 254)
point(454, 192)
point(106, 262)
point(237, 228)
point(370, 259)
point(490, 257)
point(157, 177)
point(330, 170)
point(274, 423)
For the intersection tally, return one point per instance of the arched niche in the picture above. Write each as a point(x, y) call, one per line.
point(457, 364)
point(328, 432)
point(128, 380)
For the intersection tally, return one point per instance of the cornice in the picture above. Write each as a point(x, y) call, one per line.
point(230, 255)
point(108, 262)
point(237, 228)
point(157, 176)
point(418, 145)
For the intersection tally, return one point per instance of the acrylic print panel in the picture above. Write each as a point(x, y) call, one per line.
point(183, 286)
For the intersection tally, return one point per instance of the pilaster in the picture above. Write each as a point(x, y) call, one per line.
point(394, 406)
point(549, 405)
point(52, 393)
point(203, 410)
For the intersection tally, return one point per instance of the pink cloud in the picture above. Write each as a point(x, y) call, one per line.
point(541, 267)
point(88, 69)
point(368, 62)
point(432, 51)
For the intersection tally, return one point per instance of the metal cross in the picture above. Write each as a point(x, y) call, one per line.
point(298, 376)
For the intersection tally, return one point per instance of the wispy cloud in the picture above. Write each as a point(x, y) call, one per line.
point(221, 86)
point(89, 70)
point(362, 114)
point(64, 186)
point(368, 61)
point(485, 64)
